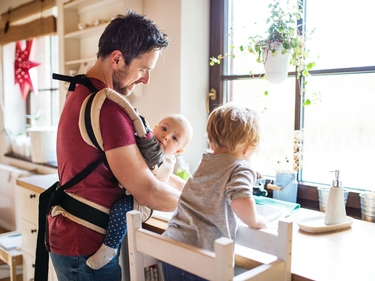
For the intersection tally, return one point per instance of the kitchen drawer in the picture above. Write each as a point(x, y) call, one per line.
point(29, 205)
point(29, 237)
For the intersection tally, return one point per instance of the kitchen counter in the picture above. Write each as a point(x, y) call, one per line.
point(339, 255)
point(37, 183)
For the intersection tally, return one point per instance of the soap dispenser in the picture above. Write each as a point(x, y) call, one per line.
point(335, 212)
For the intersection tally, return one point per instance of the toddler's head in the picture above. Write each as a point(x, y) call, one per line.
point(231, 126)
point(173, 133)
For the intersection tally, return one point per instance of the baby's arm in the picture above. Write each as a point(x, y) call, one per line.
point(176, 182)
point(244, 208)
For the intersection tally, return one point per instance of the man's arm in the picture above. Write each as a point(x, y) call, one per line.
point(130, 169)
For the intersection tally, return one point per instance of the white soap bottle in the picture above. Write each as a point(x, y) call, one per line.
point(335, 211)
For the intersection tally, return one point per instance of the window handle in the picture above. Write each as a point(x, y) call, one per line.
point(211, 95)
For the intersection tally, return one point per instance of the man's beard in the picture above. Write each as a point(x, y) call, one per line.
point(117, 77)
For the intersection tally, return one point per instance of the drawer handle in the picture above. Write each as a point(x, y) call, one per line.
point(32, 196)
point(33, 265)
point(33, 230)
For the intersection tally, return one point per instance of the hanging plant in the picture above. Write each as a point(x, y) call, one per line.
point(282, 38)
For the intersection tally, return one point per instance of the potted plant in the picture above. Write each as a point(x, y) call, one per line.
point(282, 41)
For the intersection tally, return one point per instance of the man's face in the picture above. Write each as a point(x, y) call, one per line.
point(126, 77)
point(171, 135)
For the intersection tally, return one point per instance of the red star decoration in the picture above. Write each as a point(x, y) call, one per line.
point(22, 65)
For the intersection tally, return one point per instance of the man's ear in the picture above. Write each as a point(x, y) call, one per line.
point(116, 56)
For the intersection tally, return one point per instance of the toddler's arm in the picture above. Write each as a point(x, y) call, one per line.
point(244, 208)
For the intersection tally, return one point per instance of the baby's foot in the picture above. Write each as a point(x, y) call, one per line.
point(102, 256)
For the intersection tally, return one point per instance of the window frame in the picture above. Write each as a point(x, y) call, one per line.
point(307, 193)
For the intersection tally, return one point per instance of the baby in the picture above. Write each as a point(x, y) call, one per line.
point(173, 133)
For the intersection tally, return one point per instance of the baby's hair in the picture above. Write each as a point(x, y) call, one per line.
point(231, 125)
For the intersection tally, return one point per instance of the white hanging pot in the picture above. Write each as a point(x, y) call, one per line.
point(276, 66)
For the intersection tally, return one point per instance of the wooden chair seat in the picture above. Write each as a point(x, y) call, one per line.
point(148, 248)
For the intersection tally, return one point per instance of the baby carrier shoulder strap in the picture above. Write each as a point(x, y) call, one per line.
point(90, 112)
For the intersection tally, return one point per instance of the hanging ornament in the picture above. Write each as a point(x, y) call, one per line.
point(22, 65)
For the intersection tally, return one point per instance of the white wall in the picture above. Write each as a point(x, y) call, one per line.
point(179, 83)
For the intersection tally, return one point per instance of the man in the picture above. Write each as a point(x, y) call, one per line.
point(128, 51)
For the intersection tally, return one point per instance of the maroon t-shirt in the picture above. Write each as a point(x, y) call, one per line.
point(73, 155)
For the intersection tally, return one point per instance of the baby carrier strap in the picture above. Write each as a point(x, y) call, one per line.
point(89, 126)
point(70, 206)
point(47, 199)
point(83, 80)
point(73, 80)
point(90, 112)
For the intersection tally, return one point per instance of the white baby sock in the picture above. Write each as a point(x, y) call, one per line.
point(102, 256)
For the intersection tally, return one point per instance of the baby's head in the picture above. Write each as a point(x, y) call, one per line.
point(173, 133)
point(231, 126)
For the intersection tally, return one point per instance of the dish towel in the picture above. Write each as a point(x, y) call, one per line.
point(261, 200)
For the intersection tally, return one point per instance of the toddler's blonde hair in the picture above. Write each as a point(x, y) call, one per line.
point(231, 126)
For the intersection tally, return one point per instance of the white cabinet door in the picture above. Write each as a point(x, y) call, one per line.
point(28, 266)
point(29, 205)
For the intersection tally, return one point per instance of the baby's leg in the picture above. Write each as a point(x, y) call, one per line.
point(115, 233)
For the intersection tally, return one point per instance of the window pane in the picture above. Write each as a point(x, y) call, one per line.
point(41, 107)
point(246, 18)
point(343, 29)
point(45, 102)
point(339, 132)
point(277, 118)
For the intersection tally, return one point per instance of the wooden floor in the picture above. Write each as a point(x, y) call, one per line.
point(19, 277)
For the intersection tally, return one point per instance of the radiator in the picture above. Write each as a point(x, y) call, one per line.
point(10, 217)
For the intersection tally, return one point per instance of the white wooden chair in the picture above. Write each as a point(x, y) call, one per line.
point(147, 248)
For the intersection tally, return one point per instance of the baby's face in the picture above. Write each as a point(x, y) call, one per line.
point(171, 135)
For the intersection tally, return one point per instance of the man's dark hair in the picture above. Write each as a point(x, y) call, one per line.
point(133, 35)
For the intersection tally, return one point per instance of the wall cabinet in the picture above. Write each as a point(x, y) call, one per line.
point(80, 24)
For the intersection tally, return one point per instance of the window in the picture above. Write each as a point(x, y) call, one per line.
point(339, 131)
point(41, 107)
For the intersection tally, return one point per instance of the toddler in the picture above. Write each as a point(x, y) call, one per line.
point(220, 190)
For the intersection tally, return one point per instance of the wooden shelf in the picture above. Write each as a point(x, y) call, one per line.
point(79, 4)
point(87, 32)
point(80, 61)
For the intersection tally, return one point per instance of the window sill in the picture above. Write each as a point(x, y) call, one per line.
point(28, 159)
point(308, 198)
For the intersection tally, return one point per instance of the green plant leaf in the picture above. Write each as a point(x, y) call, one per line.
point(310, 65)
point(286, 45)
